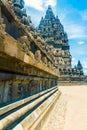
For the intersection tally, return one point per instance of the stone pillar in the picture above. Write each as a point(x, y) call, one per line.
point(0, 11)
point(1, 91)
point(0, 19)
point(32, 88)
point(10, 92)
point(5, 91)
point(56, 82)
point(51, 83)
point(29, 88)
point(15, 90)
point(20, 90)
point(2, 26)
point(40, 85)
point(48, 83)
point(26, 90)
point(43, 85)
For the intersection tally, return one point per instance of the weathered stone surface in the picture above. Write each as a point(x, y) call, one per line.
point(22, 55)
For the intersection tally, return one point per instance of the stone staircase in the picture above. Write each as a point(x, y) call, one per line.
point(29, 113)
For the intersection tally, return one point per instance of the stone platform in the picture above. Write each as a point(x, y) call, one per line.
point(27, 114)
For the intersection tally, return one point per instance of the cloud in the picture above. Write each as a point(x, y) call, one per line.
point(81, 42)
point(40, 4)
point(74, 61)
point(50, 2)
point(84, 15)
point(37, 4)
point(73, 22)
point(84, 63)
point(75, 31)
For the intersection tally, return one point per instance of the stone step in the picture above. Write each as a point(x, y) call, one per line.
point(36, 119)
point(9, 107)
point(13, 117)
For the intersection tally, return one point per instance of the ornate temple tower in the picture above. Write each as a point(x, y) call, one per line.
point(80, 68)
point(56, 39)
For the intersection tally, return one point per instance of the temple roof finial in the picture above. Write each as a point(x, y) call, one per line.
point(49, 6)
point(49, 13)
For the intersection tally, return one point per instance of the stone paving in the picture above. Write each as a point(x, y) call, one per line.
point(56, 119)
point(70, 111)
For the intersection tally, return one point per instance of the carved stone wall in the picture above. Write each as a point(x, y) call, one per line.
point(25, 68)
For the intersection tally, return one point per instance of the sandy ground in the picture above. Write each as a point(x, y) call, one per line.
point(70, 111)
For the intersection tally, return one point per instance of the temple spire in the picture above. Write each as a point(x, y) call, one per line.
point(56, 39)
point(19, 3)
point(79, 65)
point(49, 13)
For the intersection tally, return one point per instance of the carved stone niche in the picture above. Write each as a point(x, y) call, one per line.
point(49, 64)
point(35, 35)
point(18, 3)
point(67, 52)
point(44, 60)
point(31, 27)
point(25, 43)
point(27, 27)
point(38, 55)
point(18, 11)
point(31, 32)
point(54, 68)
point(2, 25)
point(39, 39)
point(10, 2)
point(10, 94)
point(24, 20)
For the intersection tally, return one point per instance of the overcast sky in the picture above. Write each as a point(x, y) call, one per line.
point(73, 16)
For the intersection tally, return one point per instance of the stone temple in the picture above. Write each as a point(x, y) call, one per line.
point(32, 63)
point(56, 40)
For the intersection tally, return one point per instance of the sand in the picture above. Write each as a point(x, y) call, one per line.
point(70, 111)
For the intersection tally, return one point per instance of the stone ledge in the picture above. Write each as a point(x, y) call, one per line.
point(10, 119)
point(7, 9)
point(10, 48)
point(7, 108)
point(35, 120)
